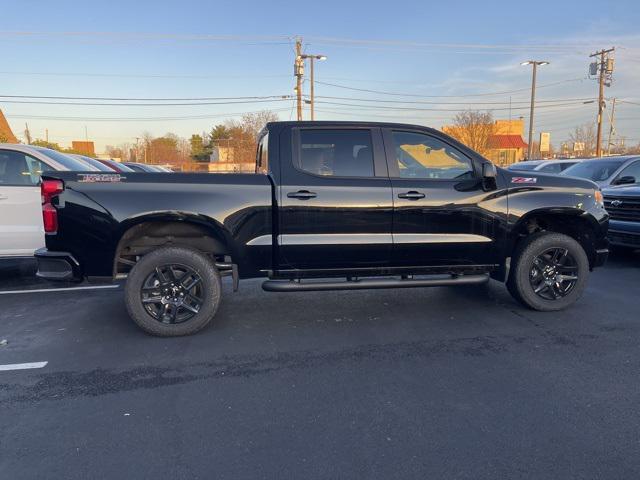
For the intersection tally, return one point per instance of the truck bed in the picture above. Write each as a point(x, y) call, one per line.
point(95, 210)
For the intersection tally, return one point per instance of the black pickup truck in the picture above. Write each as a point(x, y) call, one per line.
point(332, 205)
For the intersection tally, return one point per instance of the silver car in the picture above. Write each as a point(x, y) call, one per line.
point(21, 227)
point(607, 171)
point(544, 166)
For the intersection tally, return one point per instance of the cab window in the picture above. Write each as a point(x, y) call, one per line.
point(338, 153)
point(426, 157)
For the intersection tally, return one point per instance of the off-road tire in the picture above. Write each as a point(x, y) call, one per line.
point(522, 262)
point(191, 258)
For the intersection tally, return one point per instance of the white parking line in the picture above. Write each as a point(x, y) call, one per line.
point(22, 366)
point(66, 289)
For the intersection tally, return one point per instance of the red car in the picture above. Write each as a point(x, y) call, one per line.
point(117, 166)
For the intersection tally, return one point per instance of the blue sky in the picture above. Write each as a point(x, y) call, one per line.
point(441, 51)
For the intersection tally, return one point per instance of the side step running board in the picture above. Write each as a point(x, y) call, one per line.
point(361, 284)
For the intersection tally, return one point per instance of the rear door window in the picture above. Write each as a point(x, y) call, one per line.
point(336, 152)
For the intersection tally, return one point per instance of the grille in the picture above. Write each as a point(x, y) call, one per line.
point(628, 209)
point(620, 238)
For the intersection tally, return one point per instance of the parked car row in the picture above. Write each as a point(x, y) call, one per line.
point(21, 219)
point(619, 179)
point(544, 166)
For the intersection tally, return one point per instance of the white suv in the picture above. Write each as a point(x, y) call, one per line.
point(21, 228)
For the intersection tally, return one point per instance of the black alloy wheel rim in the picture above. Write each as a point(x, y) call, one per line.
point(553, 273)
point(172, 294)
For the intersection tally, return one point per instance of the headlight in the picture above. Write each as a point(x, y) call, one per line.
point(599, 199)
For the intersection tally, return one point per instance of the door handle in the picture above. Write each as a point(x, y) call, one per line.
point(3, 197)
point(302, 195)
point(412, 195)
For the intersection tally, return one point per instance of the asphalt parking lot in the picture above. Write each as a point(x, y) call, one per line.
point(417, 383)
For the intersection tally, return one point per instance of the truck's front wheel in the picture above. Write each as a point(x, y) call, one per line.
point(173, 291)
point(548, 272)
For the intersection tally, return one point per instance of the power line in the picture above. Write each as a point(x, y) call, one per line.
point(268, 39)
point(438, 109)
point(446, 96)
point(157, 99)
point(248, 99)
point(134, 75)
point(560, 48)
point(453, 103)
point(136, 119)
point(93, 104)
point(285, 39)
point(629, 102)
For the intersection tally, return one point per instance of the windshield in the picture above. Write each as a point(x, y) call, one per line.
point(596, 170)
point(523, 166)
point(65, 160)
point(121, 167)
point(96, 164)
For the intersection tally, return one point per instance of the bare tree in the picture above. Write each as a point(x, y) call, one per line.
point(474, 129)
point(27, 134)
point(241, 136)
point(585, 134)
point(253, 123)
point(629, 150)
point(115, 152)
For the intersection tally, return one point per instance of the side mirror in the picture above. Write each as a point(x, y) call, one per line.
point(626, 180)
point(489, 175)
point(489, 170)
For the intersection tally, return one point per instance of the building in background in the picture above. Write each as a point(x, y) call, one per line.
point(223, 159)
point(500, 141)
point(83, 147)
point(506, 145)
point(6, 135)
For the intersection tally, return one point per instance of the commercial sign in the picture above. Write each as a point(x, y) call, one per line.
point(545, 141)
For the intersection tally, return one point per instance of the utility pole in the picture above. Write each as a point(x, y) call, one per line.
point(298, 71)
point(534, 64)
point(612, 127)
point(27, 133)
point(605, 69)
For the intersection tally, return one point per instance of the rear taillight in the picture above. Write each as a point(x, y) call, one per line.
point(48, 190)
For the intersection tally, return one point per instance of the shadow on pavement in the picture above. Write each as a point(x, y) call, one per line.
point(623, 258)
point(20, 274)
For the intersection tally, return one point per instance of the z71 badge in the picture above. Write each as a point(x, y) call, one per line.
point(524, 179)
point(100, 177)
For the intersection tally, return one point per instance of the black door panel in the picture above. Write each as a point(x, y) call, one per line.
point(442, 215)
point(326, 218)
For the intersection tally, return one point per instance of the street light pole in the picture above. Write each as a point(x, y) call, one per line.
point(311, 92)
point(312, 86)
point(535, 64)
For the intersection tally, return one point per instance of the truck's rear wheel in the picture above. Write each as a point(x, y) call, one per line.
point(173, 291)
point(549, 272)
